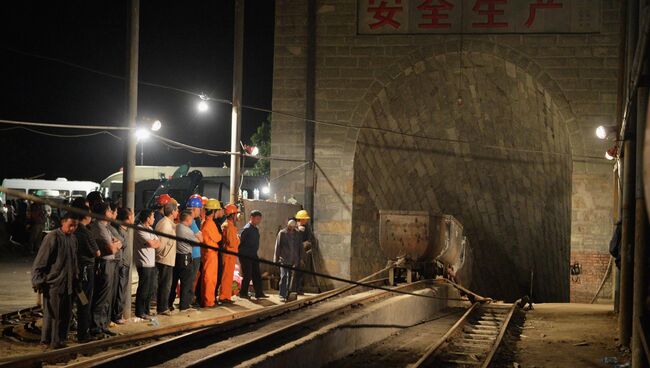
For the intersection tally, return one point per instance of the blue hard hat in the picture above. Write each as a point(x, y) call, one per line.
point(194, 202)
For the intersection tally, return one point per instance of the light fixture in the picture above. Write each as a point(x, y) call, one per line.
point(142, 134)
point(251, 150)
point(266, 189)
point(156, 125)
point(203, 105)
point(602, 132)
point(611, 153)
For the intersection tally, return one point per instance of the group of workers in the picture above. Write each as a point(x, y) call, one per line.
point(85, 262)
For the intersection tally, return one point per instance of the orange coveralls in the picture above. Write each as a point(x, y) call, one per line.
point(231, 242)
point(209, 262)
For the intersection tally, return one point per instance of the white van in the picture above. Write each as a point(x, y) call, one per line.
point(60, 187)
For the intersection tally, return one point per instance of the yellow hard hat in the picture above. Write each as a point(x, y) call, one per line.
point(213, 204)
point(302, 215)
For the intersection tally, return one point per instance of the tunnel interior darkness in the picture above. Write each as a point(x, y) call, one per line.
point(485, 143)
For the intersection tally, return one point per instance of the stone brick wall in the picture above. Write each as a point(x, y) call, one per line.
point(594, 266)
point(516, 212)
point(592, 230)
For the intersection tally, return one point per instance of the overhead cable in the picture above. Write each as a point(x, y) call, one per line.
point(345, 125)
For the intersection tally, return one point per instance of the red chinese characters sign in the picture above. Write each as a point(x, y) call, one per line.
point(478, 16)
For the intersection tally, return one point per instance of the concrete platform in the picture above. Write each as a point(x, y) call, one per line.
point(13, 347)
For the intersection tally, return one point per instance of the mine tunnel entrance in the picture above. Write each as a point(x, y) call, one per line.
point(495, 154)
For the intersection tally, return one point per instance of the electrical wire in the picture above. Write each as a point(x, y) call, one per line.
point(65, 126)
point(96, 71)
point(62, 135)
point(178, 145)
point(302, 118)
point(81, 212)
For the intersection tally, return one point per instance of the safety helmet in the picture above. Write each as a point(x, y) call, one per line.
point(231, 209)
point(204, 200)
point(163, 199)
point(213, 204)
point(194, 201)
point(302, 215)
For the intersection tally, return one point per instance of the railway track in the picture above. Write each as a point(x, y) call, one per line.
point(241, 338)
point(29, 314)
point(124, 344)
point(229, 344)
point(473, 340)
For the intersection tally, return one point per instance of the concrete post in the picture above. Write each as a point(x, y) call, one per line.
point(627, 235)
point(235, 133)
point(629, 178)
point(128, 182)
point(310, 106)
point(640, 232)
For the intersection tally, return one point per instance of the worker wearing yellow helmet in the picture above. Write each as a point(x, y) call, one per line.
point(302, 217)
point(210, 257)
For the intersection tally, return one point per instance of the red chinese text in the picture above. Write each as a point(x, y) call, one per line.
point(434, 15)
point(489, 9)
point(540, 4)
point(384, 14)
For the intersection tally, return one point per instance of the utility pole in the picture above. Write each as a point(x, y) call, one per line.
point(640, 236)
point(128, 181)
point(235, 133)
point(310, 106)
point(641, 221)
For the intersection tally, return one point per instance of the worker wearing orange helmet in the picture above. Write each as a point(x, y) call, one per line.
point(161, 201)
point(231, 243)
point(210, 257)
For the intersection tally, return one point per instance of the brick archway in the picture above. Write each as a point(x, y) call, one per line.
point(516, 166)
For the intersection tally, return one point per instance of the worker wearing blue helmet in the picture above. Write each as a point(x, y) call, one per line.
point(183, 271)
point(195, 203)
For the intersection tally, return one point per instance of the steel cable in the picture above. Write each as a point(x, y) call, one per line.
point(81, 212)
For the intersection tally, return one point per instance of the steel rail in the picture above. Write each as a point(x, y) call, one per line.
point(448, 339)
point(497, 342)
point(433, 349)
point(27, 313)
point(36, 359)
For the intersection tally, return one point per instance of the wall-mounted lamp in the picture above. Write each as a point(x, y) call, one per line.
point(603, 132)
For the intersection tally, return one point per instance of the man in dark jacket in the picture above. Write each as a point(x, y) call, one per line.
point(250, 244)
point(120, 292)
point(54, 273)
point(87, 251)
point(286, 253)
point(104, 271)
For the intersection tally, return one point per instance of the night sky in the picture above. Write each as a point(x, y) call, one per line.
point(183, 44)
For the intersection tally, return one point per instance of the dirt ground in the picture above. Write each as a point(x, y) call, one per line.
point(568, 335)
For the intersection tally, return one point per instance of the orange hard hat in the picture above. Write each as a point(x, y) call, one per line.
point(204, 200)
point(163, 199)
point(230, 209)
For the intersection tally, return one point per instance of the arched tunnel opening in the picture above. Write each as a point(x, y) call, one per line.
point(495, 154)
